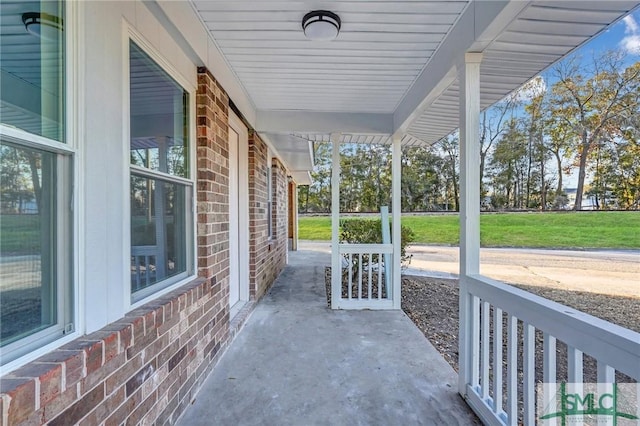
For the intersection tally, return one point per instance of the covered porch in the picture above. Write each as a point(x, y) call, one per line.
point(297, 362)
point(404, 83)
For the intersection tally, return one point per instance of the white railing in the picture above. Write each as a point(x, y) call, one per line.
point(362, 282)
point(503, 324)
point(143, 266)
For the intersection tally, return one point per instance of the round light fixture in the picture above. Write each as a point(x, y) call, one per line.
point(42, 25)
point(321, 25)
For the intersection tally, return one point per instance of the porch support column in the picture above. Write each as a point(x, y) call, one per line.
point(396, 208)
point(469, 78)
point(336, 266)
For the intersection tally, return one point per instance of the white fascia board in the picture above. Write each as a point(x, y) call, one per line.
point(479, 24)
point(195, 39)
point(298, 157)
point(301, 177)
point(323, 122)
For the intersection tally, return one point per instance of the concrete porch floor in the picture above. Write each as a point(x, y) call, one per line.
point(296, 362)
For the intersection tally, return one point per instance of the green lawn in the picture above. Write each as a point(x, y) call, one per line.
point(550, 230)
point(20, 234)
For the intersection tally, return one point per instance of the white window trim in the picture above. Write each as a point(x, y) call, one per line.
point(131, 34)
point(270, 194)
point(74, 127)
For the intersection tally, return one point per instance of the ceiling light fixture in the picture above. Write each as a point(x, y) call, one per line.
point(42, 25)
point(321, 25)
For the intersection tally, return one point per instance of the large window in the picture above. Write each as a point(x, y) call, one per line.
point(35, 180)
point(161, 189)
point(270, 198)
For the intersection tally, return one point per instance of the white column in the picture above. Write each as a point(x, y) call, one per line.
point(336, 266)
point(469, 79)
point(397, 215)
point(294, 200)
point(470, 165)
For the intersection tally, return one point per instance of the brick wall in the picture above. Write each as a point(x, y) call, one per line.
point(146, 366)
point(267, 256)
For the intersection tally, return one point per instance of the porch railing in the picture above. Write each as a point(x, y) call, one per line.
point(497, 341)
point(362, 282)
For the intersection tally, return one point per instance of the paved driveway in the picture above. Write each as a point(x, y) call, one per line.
point(601, 271)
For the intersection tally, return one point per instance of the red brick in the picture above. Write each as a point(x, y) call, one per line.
point(141, 409)
point(73, 361)
point(103, 410)
point(23, 398)
point(78, 410)
point(140, 377)
point(94, 358)
point(121, 413)
point(124, 373)
point(100, 374)
point(61, 403)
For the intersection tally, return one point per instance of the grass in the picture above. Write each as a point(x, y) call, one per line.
point(593, 230)
point(20, 234)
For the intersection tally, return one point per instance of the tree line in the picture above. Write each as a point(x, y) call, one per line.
point(586, 122)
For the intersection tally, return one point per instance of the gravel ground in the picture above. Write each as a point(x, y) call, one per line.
point(432, 304)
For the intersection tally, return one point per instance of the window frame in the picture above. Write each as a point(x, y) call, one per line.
point(68, 158)
point(270, 194)
point(133, 300)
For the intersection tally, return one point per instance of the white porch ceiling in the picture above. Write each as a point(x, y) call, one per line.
point(382, 48)
point(392, 69)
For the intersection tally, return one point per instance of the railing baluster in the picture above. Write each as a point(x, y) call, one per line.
point(350, 276)
point(138, 271)
point(574, 374)
point(475, 339)
point(497, 360)
point(379, 278)
point(369, 275)
point(606, 382)
point(484, 357)
point(549, 375)
point(528, 366)
point(512, 369)
point(359, 276)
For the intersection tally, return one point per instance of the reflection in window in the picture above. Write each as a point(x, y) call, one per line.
point(158, 245)
point(27, 242)
point(32, 68)
point(161, 217)
point(159, 127)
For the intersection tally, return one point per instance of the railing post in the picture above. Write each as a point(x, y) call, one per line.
point(336, 264)
point(396, 218)
point(469, 78)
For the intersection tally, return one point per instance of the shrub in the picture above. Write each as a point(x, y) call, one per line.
point(369, 231)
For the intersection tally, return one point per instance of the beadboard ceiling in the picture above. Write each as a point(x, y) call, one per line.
point(381, 49)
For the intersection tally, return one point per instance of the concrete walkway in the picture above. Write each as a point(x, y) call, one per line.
point(298, 363)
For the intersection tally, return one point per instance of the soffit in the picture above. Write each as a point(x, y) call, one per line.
point(542, 34)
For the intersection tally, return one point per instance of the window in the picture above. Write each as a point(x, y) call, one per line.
point(35, 182)
point(161, 192)
point(269, 197)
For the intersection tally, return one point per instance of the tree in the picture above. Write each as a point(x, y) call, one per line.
point(451, 150)
point(508, 167)
point(421, 179)
point(492, 127)
point(591, 106)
